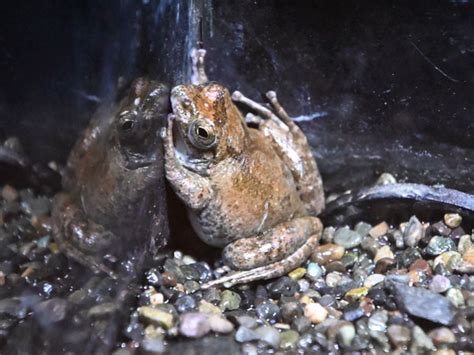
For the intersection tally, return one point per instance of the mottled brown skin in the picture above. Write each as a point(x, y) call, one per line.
point(241, 187)
point(112, 202)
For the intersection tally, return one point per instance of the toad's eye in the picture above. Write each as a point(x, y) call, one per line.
point(127, 125)
point(201, 135)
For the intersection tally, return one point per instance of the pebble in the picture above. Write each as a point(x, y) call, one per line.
point(448, 259)
point(268, 311)
point(440, 228)
point(153, 277)
point(247, 321)
point(301, 324)
point(421, 341)
point(468, 256)
point(290, 311)
point(347, 238)
point(269, 335)
point(356, 293)
point(315, 312)
point(440, 284)
point(370, 246)
point(363, 229)
point(206, 307)
point(51, 311)
point(441, 336)
point(464, 244)
point(328, 234)
point(212, 295)
point(314, 271)
point(326, 253)
point(220, 324)
point(284, 286)
point(194, 325)
point(230, 300)
point(156, 316)
point(455, 296)
point(303, 285)
point(333, 279)
point(439, 244)
point(386, 179)
point(424, 304)
point(379, 230)
point(9, 193)
point(373, 280)
point(289, 339)
point(383, 252)
point(243, 335)
point(413, 232)
point(185, 303)
point(297, 273)
point(452, 220)
point(346, 333)
point(399, 335)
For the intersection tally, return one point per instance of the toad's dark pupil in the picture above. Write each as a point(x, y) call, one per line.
point(127, 125)
point(202, 133)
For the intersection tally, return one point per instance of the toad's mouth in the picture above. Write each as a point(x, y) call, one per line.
point(190, 157)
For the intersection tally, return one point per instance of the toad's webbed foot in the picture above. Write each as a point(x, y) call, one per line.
point(198, 75)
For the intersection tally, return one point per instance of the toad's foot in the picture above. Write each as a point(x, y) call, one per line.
point(198, 75)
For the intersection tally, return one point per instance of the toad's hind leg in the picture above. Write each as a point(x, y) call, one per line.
point(268, 264)
point(198, 75)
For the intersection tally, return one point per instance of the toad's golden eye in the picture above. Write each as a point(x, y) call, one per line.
point(201, 135)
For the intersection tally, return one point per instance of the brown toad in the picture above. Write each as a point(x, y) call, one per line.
point(252, 191)
point(113, 202)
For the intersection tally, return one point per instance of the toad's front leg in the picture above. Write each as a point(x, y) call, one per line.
point(271, 254)
point(194, 190)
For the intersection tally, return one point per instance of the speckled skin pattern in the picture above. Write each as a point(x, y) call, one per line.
point(249, 190)
point(113, 183)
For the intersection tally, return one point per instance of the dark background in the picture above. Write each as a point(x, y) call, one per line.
point(391, 82)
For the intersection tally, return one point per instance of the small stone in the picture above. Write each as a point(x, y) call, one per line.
point(249, 349)
point(243, 335)
point(464, 244)
point(51, 311)
point(290, 311)
point(452, 220)
point(301, 324)
point(297, 273)
point(438, 245)
point(188, 260)
point(383, 252)
point(422, 266)
point(424, 304)
point(206, 307)
point(370, 245)
point(398, 238)
point(156, 316)
point(247, 321)
point(413, 232)
point(328, 234)
point(356, 293)
point(399, 335)
point(363, 229)
point(386, 179)
point(194, 325)
point(420, 340)
point(289, 339)
point(2, 278)
point(347, 238)
point(442, 336)
point(455, 296)
point(303, 285)
point(269, 335)
point(336, 266)
point(169, 279)
point(191, 286)
point(153, 277)
point(379, 230)
point(468, 256)
point(326, 253)
point(333, 279)
point(315, 313)
point(220, 325)
point(345, 333)
point(440, 284)
point(212, 295)
point(284, 286)
point(185, 304)
point(373, 280)
point(229, 300)
point(314, 271)
point(268, 311)
point(9, 193)
point(157, 298)
point(448, 259)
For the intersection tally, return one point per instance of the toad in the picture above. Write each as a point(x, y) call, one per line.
point(113, 200)
point(253, 191)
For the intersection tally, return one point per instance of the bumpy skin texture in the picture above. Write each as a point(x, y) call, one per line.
point(113, 200)
point(248, 190)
